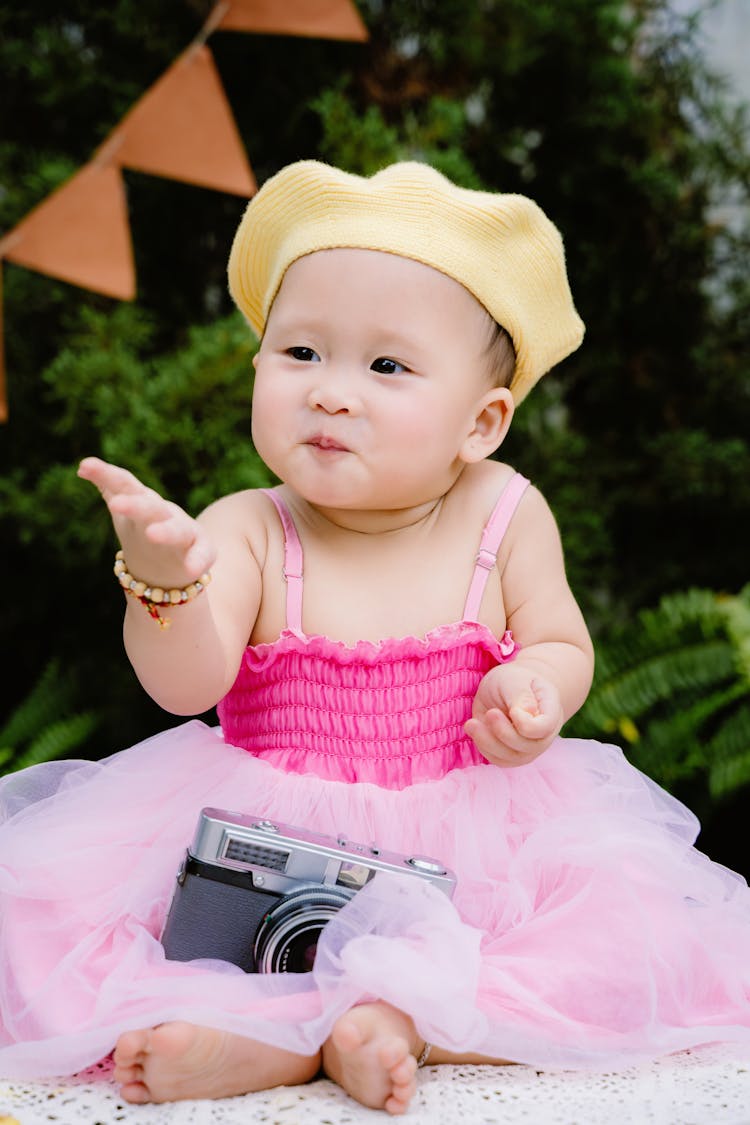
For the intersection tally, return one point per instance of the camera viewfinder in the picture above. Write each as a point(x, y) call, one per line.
point(354, 875)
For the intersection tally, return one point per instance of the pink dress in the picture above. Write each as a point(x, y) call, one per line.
point(585, 930)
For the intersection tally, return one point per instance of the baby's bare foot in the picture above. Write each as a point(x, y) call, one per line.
point(371, 1054)
point(180, 1060)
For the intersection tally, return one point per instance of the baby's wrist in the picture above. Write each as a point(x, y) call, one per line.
point(156, 598)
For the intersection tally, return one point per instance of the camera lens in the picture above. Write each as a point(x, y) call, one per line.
point(287, 938)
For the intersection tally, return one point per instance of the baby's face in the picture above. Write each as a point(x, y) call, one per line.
point(368, 379)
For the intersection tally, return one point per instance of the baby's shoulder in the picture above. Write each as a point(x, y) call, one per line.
point(481, 487)
point(246, 516)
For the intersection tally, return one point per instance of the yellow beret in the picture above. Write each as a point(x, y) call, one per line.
point(500, 247)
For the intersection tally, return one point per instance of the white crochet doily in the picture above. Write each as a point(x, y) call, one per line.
point(706, 1087)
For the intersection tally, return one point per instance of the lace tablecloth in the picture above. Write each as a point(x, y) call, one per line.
point(706, 1087)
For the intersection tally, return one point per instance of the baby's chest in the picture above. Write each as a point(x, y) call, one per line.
point(379, 600)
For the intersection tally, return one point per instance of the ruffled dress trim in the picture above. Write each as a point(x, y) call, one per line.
point(443, 637)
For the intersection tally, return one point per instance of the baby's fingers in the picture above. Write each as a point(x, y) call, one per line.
point(109, 479)
point(180, 531)
point(495, 738)
point(536, 713)
point(532, 725)
point(144, 507)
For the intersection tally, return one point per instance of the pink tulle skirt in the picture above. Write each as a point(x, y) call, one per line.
point(585, 930)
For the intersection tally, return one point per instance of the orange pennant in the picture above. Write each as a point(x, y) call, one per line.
point(79, 233)
point(183, 128)
point(323, 19)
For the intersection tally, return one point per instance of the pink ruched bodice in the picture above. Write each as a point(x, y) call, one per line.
point(390, 712)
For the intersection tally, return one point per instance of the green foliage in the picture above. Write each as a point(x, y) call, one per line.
point(674, 688)
point(45, 725)
point(180, 420)
point(360, 143)
point(433, 134)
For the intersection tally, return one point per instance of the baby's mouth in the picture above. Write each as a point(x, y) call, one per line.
point(328, 444)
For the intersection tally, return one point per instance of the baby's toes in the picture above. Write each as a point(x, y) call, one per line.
point(403, 1078)
point(398, 1101)
point(126, 1074)
point(135, 1092)
point(131, 1048)
point(402, 1074)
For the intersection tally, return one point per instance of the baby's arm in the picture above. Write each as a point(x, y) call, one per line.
point(188, 667)
point(521, 706)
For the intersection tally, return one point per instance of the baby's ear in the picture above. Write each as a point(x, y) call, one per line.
point(491, 423)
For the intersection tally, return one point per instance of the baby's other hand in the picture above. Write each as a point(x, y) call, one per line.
point(160, 541)
point(516, 715)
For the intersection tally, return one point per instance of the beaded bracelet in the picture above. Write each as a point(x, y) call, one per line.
point(154, 596)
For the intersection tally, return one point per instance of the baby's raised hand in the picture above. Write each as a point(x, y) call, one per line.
point(516, 715)
point(160, 541)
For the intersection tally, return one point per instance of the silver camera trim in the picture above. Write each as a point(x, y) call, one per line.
point(309, 857)
point(285, 920)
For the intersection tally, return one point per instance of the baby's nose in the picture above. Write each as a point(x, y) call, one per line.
point(335, 394)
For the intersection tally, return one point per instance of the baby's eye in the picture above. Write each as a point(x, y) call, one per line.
point(304, 355)
point(385, 366)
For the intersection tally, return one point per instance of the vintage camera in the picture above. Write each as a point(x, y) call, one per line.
point(258, 894)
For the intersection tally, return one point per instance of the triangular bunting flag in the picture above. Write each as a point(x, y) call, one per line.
point(183, 128)
point(322, 19)
point(80, 234)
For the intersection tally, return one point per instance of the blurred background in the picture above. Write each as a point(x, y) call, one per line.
point(627, 122)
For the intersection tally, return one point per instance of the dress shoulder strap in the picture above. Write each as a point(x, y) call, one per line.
point(292, 562)
point(492, 537)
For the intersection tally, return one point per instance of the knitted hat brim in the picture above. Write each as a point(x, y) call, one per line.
point(501, 247)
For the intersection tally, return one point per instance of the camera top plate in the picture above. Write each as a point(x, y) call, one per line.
point(279, 855)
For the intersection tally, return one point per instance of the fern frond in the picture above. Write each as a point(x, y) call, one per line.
point(635, 690)
point(48, 697)
point(737, 615)
point(45, 725)
point(679, 746)
point(675, 686)
point(727, 776)
point(727, 749)
point(56, 740)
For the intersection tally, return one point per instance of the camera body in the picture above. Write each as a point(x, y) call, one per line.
point(258, 893)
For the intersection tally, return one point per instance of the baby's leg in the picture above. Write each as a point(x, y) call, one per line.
point(372, 1053)
point(180, 1060)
